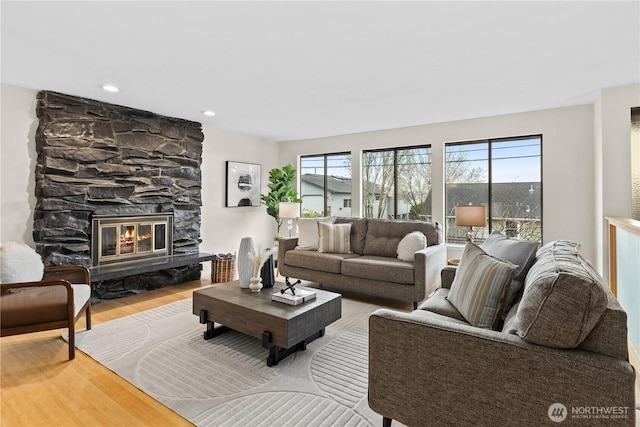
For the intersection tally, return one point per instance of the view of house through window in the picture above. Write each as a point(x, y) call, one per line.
point(396, 183)
point(325, 185)
point(504, 175)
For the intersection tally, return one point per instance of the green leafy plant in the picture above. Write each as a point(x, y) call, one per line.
point(281, 189)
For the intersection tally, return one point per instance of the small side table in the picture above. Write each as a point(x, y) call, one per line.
point(454, 262)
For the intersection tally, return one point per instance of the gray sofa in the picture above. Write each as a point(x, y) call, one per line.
point(560, 354)
point(372, 268)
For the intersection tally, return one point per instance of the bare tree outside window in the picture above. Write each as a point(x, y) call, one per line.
point(396, 182)
point(414, 180)
point(377, 183)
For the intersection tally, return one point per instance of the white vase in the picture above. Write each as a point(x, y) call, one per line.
point(255, 284)
point(245, 264)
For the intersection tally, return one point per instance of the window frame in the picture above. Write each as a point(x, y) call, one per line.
point(395, 151)
point(490, 202)
point(325, 181)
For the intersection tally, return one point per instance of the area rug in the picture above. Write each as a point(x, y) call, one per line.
point(225, 381)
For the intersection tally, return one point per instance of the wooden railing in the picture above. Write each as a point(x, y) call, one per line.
point(624, 274)
point(629, 225)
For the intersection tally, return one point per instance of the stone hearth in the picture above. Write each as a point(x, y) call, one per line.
point(95, 158)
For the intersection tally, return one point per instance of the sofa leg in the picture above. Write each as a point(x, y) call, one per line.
point(386, 422)
point(415, 305)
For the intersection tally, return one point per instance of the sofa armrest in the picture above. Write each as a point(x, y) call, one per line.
point(285, 244)
point(428, 264)
point(25, 305)
point(425, 367)
point(447, 275)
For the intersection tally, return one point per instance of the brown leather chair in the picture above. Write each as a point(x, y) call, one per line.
point(57, 301)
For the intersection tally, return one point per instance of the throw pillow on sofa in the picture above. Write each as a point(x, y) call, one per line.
point(334, 238)
point(480, 287)
point(308, 232)
point(563, 298)
point(519, 252)
point(410, 244)
point(19, 263)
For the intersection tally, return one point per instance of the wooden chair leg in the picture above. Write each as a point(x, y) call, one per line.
point(88, 317)
point(72, 340)
point(386, 422)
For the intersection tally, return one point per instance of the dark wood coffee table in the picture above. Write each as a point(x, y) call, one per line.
point(283, 328)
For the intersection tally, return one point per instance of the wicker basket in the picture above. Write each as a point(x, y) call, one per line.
point(223, 269)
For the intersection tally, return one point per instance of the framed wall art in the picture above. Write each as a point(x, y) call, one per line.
point(243, 184)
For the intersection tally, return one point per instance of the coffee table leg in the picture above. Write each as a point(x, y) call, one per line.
point(211, 331)
point(276, 354)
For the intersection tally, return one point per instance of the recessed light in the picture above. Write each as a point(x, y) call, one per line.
point(208, 113)
point(110, 88)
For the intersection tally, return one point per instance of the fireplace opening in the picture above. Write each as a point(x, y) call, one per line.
point(118, 238)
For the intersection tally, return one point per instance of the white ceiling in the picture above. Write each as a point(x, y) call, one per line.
point(297, 70)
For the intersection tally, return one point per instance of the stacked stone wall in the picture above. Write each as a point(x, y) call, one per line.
point(95, 158)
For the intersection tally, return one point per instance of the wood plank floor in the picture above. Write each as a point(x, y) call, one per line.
point(39, 386)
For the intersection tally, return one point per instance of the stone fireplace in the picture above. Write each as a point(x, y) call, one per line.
point(97, 161)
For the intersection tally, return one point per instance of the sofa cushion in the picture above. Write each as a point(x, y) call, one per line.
point(480, 287)
point(358, 232)
point(519, 252)
point(438, 303)
point(563, 298)
point(308, 232)
point(313, 260)
point(379, 268)
point(19, 263)
point(383, 235)
point(410, 244)
point(81, 294)
point(334, 238)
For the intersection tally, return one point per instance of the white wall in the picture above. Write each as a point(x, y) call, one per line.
point(612, 167)
point(18, 125)
point(222, 228)
point(567, 150)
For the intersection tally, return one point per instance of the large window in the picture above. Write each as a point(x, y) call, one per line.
point(396, 183)
point(325, 185)
point(504, 175)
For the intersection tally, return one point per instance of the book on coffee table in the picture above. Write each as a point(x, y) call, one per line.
point(301, 296)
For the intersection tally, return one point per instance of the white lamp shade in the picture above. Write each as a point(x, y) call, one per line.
point(472, 216)
point(288, 210)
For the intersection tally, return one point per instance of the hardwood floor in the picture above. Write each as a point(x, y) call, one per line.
point(39, 386)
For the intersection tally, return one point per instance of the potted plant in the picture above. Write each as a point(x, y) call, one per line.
point(281, 189)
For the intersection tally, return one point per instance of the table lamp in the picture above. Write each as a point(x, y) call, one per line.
point(471, 216)
point(289, 210)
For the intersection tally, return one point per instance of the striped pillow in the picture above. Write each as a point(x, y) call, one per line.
point(480, 287)
point(335, 238)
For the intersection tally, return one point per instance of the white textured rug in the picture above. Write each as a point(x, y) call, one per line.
point(225, 381)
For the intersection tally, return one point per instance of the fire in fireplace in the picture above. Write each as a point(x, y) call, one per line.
point(122, 238)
